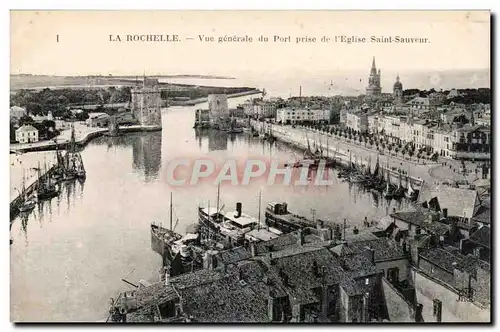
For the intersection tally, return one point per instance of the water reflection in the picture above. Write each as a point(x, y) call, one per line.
point(146, 151)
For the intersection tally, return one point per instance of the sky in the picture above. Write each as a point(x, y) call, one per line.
point(78, 42)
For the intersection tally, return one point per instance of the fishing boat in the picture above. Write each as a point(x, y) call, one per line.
point(73, 166)
point(399, 192)
point(388, 191)
point(411, 193)
point(169, 244)
point(46, 188)
point(28, 203)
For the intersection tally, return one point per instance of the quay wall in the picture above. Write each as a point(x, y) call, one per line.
point(205, 99)
point(340, 155)
point(87, 138)
point(17, 201)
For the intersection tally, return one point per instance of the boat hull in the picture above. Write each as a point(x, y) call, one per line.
point(47, 194)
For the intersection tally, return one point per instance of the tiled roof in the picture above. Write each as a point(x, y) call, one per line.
point(412, 217)
point(277, 243)
point(26, 128)
point(482, 237)
point(459, 202)
point(384, 249)
point(147, 300)
point(441, 258)
point(483, 214)
point(437, 228)
point(227, 300)
point(233, 255)
point(470, 264)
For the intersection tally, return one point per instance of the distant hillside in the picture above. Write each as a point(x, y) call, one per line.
point(25, 81)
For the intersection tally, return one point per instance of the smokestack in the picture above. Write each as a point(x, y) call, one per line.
point(238, 210)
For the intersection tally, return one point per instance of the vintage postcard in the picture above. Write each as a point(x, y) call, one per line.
point(323, 167)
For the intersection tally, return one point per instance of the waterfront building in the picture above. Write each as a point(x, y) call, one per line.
point(300, 115)
point(442, 143)
point(97, 119)
point(146, 103)
point(259, 108)
point(217, 105)
point(373, 123)
point(471, 142)
point(357, 120)
point(374, 88)
point(27, 134)
point(397, 91)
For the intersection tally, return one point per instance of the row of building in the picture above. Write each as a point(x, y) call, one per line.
point(441, 136)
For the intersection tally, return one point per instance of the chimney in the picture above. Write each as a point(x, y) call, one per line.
point(437, 310)
point(167, 277)
point(253, 250)
point(366, 307)
point(240, 275)
point(461, 247)
point(300, 237)
point(370, 254)
point(418, 314)
point(271, 307)
point(445, 213)
point(209, 260)
point(238, 210)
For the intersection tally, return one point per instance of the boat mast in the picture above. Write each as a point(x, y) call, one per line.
point(170, 210)
point(260, 199)
point(218, 196)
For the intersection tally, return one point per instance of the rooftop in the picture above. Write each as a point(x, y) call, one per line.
point(442, 258)
point(26, 128)
point(460, 202)
point(482, 237)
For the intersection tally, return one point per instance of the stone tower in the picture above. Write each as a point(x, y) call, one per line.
point(398, 91)
point(146, 103)
point(373, 88)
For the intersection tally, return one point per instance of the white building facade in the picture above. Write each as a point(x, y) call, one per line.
point(27, 134)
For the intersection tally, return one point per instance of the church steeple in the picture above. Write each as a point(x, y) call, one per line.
point(374, 67)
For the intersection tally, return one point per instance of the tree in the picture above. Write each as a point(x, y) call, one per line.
point(26, 120)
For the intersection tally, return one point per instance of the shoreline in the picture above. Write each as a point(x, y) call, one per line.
point(48, 145)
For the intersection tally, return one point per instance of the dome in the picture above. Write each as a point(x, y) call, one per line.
point(398, 85)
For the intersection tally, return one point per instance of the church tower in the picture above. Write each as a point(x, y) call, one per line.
point(374, 88)
point(397, 91)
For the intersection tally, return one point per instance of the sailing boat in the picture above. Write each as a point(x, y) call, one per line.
point(411, 193)
point(46, 189)
point(389, 188)
point(400, 191)
point(166, 241)
point(74, 164)
point(28, 203)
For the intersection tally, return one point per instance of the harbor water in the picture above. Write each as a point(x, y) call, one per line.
point(70, 254)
